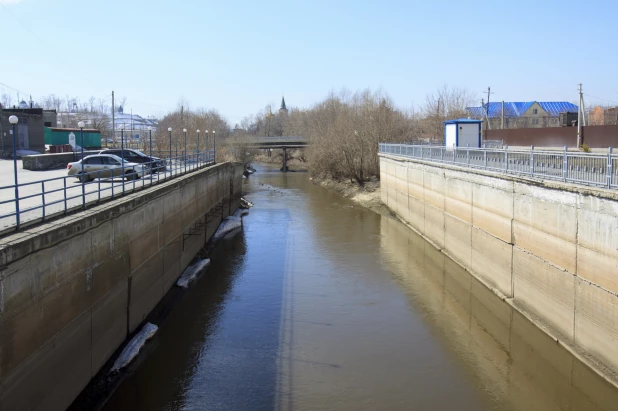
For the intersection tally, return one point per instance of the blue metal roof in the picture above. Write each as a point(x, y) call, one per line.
point(463, 120)
point(517, 109)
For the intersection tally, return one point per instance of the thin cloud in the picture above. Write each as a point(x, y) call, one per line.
point(9, 1)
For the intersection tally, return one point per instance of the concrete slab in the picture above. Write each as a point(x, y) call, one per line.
point(544, 291)
point(492, 260)
point(596, 322)
point(458, 240)
point(109, 325)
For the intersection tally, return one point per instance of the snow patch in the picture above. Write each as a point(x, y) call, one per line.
point(192, 272)
point(229, 225)
point(134, 346)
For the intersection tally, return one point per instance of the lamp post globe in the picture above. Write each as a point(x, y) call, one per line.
point(81, 124)
point(13, 119)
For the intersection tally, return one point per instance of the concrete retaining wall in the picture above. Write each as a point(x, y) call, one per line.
point(40, 162)
point(550, 249)
point(71, 291)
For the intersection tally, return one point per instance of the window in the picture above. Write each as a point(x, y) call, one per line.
point(112, 161)
point(535, 121)
point(130, 154)
point(48, 124)
point(93, 160)
point(535, 111)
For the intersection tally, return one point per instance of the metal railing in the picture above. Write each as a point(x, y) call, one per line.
point(38, 201)
point(600, 170)
point(278, 139)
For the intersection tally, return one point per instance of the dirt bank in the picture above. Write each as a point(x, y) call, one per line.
point(367, 195)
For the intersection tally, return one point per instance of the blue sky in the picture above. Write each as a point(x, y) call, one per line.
point(237, 57)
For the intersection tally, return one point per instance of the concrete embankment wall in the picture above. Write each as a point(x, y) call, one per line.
point(550, 249)
point(72, 290)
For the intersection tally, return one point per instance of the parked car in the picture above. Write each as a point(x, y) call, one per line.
point(136, 156)
point(105, 166)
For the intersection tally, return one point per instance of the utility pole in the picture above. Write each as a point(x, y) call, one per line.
point(113, 118)
point(487, 111)
point(579, 116)
point(485, 125)
point(438, 129)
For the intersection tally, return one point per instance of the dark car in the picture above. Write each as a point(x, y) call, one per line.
point(136, 156)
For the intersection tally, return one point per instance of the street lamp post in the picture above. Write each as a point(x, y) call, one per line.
point(13, 120)
point(207, 151)
point(214, 147)
point(81, 126)
point(184, 130)
point(121, 155)
point(197, 148)
point(150, 147)
point(170, 166)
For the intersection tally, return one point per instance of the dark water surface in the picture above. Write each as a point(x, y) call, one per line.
point(319, 304)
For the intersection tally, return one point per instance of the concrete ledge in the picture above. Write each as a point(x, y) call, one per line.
point(40, 162)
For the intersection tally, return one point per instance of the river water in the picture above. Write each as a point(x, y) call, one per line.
point(319, 304)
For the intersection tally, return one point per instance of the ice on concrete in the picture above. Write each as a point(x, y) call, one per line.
point(245, 204)
point(191, 272)
point(134, 346)
point(229, 225)
point(21, 153)
point(241, 212)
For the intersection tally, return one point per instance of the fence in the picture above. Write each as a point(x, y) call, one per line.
point(599, 170)
point(38, 201)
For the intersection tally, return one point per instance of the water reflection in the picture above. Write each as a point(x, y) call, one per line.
point(510, 359)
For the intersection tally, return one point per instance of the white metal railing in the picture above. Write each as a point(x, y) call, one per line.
point(592, 169)
point(40, 200)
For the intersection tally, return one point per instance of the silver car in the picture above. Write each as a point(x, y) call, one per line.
point(104, 166)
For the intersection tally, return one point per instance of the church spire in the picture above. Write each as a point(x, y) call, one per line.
point(283, 107)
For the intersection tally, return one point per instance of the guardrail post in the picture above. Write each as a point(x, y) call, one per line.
point(564, 166)
point(609, 168)
point(506, 159)
point(468, 153)
point(531, 160)
point(422, 154)
point(442, 150)
point(485, 158)
point(454, 152)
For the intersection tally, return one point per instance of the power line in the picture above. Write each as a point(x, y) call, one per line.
point(602, 99)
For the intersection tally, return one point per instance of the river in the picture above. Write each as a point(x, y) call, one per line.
point(320, 304)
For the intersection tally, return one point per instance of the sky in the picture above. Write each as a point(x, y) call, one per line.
point(237, 57)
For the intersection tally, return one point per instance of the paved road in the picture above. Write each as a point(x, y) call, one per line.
point(57, 187)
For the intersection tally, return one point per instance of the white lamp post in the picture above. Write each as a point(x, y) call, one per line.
point(14, 120)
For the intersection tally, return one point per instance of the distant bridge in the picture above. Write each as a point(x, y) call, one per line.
point(281, 142)
point(276, 142)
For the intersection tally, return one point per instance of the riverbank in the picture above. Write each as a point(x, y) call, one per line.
point(367, 195)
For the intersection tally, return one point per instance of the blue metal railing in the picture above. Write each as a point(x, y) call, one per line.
point(40, 200)
point(593, 169)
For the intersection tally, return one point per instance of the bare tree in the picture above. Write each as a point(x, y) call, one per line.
point(6, 100)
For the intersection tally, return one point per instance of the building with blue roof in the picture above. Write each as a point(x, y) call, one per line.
point(529, 114)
